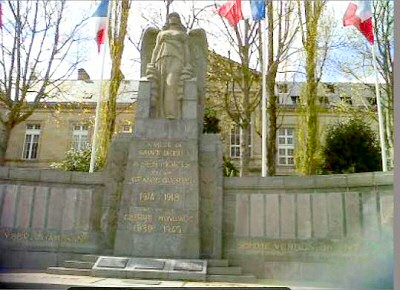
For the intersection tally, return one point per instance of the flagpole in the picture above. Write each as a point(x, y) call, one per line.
point(264, 102)
point(93, 154)
point(380, 116)
point(96, 120)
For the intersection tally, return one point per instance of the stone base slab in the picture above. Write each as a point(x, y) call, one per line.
point(150, 268)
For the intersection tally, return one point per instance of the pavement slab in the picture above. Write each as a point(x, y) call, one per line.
point(39, 280)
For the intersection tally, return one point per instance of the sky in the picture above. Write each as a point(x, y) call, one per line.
point(155, 9)
point(131, 67)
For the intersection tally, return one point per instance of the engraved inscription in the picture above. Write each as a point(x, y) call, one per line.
point(138, 217)
point(147, 223)
point(42, 236)
point(163, 144)
point(165, 180)
point(176, 218)
point(160, 152)
point(164, 164)
point(297, 246)
point(169, 197)
point(143, 228)
point(172, 229)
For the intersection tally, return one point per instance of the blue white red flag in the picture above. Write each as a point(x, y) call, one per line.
point(102, 20)
point(236, 10)
point(359, 14)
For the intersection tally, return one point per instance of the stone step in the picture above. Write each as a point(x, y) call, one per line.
point(68, 271)
point(232, 278)
point(217, 263)
point(89, 258)
point(78, 264)
point(224, 270)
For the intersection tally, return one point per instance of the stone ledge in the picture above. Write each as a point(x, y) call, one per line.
point(5, 172)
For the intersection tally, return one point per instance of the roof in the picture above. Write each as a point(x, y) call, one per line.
point(87, 91)
point(358, 93)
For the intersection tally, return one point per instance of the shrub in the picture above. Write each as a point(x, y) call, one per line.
point(210, 122)
point(230, 169)
point(76, 160)
point(351, 147)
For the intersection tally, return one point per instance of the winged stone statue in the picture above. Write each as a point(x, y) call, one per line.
point(169, 57)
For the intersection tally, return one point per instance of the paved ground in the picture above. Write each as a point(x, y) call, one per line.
point(39, 280)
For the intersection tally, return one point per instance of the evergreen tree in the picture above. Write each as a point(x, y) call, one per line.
point(351, 147)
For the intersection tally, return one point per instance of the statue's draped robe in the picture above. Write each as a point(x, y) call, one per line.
point(170, 62)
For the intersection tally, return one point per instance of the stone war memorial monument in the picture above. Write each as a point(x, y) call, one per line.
point(161, 208)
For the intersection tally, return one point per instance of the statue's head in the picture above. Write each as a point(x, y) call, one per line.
point(173, 19)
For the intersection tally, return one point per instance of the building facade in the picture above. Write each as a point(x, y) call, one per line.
point(67, 121)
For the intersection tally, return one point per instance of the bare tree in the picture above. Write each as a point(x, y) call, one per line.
point(242, 89)
point(281, 34)
point(117, 32)
point(360, 65)
point(36, 55)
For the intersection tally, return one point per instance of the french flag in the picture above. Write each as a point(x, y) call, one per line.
point(359, 14)
point(236, 10)
point(102, 19)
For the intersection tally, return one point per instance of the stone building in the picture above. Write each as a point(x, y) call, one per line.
point(67, 120)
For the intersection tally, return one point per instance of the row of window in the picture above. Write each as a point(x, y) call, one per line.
point(80, 139)
point(324, 100)
point(284, 142)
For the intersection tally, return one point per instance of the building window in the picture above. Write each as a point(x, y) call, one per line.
point(330, 88)
point(283, 88)
point(234, 141)
point(285, 146)
point(80, 137)
point(126, 128)
point(324, 100)
point(346, 100)
point(371, 101)
point(295, 100)
point(31, 143)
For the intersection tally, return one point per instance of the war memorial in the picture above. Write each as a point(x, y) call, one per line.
point(162, 209)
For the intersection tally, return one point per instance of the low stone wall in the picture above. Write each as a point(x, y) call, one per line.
point(311, 227)
point(48, 215)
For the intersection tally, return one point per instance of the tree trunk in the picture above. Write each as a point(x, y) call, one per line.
point(4, 137)
point(272, 116)
point(244, 149)
point(307, 152)
point(109, 109)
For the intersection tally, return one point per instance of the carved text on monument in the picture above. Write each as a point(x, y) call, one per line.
point(157, 180)
point(161, 152)
point(152, 196)
point(149, 223)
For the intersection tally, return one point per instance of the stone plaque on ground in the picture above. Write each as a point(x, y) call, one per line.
point(150, 268)
point(188, 266)
point(148, 264)
point(112, 262)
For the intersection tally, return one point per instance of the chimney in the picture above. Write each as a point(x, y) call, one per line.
point(83, 75)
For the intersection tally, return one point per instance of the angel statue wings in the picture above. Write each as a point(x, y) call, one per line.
point(168, 58)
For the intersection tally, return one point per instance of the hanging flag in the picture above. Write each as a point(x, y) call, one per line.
point(236, 10)
point(101, 14)
point(1, 14)
point(359, 14)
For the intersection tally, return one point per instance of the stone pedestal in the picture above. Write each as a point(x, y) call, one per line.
point(159, 211)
